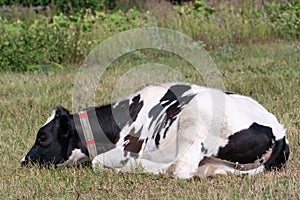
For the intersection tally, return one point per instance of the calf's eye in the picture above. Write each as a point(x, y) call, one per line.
point(44, 140)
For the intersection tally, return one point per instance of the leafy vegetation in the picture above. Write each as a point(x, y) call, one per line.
point(30, 46)
point(285, 17)
point(49, 39)
point(65, 6)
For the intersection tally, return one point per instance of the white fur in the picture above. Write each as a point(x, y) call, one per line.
point(209, 119)
point(52, 116)
point(23, 159)
point(76, 157)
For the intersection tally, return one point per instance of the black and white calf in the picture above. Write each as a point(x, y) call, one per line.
point(176, 128)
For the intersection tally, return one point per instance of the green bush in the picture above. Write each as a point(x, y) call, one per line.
point(65, 6)
point(43, 43)
point(31, 41)
point(285, 18)
point(50, 42)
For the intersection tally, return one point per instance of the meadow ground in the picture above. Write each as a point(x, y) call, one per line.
point(270, 73)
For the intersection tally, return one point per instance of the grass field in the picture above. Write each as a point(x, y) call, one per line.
point(270, 73)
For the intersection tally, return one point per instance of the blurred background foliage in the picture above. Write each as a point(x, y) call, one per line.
point(49, 34)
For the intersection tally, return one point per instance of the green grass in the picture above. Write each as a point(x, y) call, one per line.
point(270, 73)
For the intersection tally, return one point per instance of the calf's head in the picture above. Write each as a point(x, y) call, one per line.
point(57, 142)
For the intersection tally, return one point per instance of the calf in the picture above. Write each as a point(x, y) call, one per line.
point(176, 128)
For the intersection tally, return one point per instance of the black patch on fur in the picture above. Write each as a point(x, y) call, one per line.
point(174, 93)
point(174, 110)
point(279, 156)
point(135, 107)
point(113, 118)
point(123, 162)
point(229, 93)
point(134, 144)
point(247, 145)
point(157, 138)
point(110, 126)
point(203, 149)
point(172, 101)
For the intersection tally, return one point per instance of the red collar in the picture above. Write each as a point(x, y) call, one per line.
point(87, 133)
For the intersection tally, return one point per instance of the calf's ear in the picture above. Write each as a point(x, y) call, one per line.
point(61, 111)
point(65, 123)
